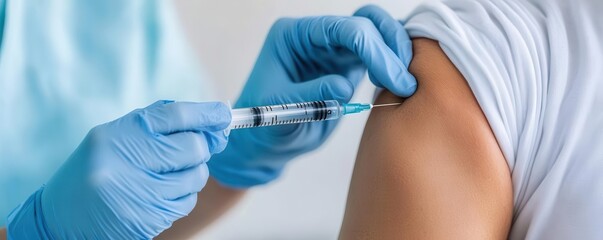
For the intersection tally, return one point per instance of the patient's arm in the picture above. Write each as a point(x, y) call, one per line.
point(430, 168)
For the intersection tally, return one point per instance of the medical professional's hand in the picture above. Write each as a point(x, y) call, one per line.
point(307, 59)
point(130, 178)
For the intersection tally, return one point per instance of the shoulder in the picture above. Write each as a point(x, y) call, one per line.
point(430, 168)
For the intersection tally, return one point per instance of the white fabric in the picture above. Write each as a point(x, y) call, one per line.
point(536, 69)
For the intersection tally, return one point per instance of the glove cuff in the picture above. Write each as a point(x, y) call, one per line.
point(26, 221)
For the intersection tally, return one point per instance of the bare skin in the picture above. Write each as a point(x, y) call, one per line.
point(3, 234)
point(430, 168)
point(212, 202)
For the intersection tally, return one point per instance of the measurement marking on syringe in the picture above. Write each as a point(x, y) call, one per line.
point(291, 113)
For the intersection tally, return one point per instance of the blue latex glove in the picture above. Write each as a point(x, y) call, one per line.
point(130, 178)
point(307, 59)
point(393, 33)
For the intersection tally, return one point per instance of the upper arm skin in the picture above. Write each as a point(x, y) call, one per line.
point(430, 168)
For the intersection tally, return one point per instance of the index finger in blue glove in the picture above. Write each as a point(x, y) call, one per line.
point(173, 117)
point(360, 36)
point(392, 31)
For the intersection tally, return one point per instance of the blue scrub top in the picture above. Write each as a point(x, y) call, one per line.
point(2, 9)
point(68, 65)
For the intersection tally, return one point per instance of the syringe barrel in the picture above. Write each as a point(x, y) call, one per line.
point(285, 114)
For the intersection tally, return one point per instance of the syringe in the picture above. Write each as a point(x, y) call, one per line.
point(292, 113)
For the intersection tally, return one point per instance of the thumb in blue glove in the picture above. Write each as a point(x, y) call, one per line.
point(130, 178)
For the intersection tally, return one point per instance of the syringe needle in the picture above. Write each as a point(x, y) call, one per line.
point(386, 104)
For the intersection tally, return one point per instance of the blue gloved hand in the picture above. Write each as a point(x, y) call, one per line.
point(130, 178)
point(307, 59)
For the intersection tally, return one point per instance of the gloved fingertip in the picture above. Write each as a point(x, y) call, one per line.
point(411, 90)
point(217, 141)
point(409, 86)
point(226, 132)
point(226, 110)
point(224, 142)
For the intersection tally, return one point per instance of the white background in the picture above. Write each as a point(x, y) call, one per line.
point(308, 201)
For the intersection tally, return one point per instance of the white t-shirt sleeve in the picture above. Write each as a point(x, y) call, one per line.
point(535, 67)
